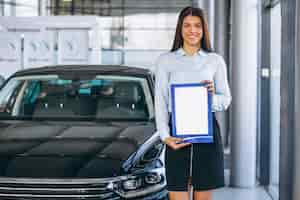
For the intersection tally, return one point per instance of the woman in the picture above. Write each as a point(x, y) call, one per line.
point(191, 61)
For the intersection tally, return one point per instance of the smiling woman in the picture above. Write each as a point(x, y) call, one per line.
point(194, 26)
point(191, 61)
point(192, 32)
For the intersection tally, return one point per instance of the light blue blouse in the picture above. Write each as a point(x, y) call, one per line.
point(177, 67)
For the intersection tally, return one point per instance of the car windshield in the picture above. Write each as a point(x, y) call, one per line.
point(102, 97)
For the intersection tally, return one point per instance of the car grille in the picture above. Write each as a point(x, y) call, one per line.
point(23, 189)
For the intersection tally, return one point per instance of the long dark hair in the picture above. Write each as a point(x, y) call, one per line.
point(191, 11)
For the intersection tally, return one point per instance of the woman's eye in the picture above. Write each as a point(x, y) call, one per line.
point(186, 25)
point(198, 25)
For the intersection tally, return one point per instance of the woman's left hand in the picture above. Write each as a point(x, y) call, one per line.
point(210, 86)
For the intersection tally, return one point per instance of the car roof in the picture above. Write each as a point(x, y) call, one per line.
point(84, 69)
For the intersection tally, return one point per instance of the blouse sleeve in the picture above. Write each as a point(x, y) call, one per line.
point(222, 98)
point(161, 100)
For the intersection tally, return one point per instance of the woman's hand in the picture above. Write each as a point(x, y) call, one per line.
point(173, 143)
point(210, 86)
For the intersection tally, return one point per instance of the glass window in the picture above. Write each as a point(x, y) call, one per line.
point(105, 97)
point(1, 8)
point(81, 7)
point(27, 7)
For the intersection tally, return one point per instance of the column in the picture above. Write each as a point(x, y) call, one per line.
point(296, 191)
point(288, 105)
point(244, 92)
point(221, 44)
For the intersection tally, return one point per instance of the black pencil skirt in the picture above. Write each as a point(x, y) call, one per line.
point(207, 170)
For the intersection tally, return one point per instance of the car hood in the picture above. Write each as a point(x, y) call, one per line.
point(68, 150)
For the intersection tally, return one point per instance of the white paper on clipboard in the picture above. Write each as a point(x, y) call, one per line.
point(191, 106)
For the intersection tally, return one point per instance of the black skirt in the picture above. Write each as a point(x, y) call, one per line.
point(207, 170)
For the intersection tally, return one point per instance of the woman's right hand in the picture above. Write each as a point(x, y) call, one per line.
point(173, 142)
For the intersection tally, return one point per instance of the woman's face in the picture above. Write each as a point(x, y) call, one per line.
point(192, 31)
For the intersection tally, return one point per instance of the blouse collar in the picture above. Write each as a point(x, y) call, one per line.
point(181, 52)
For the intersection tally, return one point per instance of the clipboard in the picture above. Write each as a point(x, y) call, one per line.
point(191, 113)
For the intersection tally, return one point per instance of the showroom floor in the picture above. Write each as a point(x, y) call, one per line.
point(256, 193)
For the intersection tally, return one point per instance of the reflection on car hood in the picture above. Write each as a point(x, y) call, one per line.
point(61, 150)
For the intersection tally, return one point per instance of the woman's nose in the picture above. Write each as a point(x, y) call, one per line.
point(193, 29)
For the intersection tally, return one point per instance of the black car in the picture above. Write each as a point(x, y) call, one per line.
point(80, 132)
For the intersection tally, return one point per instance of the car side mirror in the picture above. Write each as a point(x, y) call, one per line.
point(2, 80)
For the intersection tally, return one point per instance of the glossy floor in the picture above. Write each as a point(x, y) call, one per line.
point(257, 193)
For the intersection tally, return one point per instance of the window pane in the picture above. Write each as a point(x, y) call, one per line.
point(105, 97)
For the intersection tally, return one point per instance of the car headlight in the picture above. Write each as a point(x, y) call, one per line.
point(152, 178)
point(140, 184)
point(142, 180)
point(132, 184)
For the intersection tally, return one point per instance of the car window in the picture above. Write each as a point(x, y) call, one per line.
point(104, 97)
